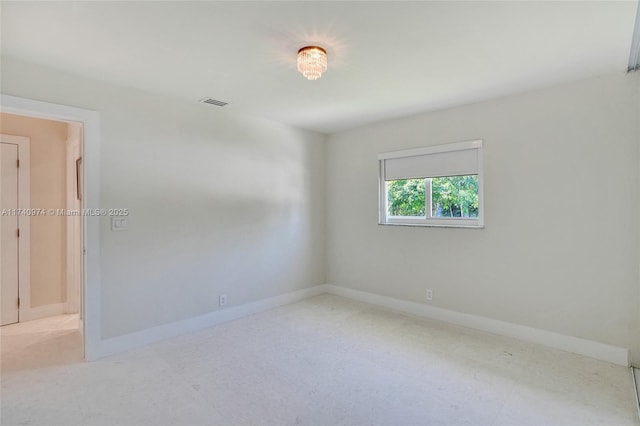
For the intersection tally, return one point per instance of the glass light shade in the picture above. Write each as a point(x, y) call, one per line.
point(312, 62)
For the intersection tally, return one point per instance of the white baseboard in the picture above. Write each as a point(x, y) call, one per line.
point(601, 351)
point(576, 345)
point(30, 314)
point(155, 334)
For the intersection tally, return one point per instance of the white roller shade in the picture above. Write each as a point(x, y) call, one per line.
point(444, 160)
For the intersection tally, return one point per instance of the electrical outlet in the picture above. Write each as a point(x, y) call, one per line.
point(223, 300)
point(429, 294)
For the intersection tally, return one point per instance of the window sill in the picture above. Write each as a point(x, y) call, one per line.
point(435, 225)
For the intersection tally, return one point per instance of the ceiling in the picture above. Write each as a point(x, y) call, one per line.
point(386, 58)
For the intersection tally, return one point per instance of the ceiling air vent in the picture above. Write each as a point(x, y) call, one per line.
point(212, 101)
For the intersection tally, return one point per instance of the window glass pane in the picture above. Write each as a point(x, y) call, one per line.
point(454, 196)
point(406, 197)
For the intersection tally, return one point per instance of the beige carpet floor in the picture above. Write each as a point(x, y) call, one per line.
point(323, 361)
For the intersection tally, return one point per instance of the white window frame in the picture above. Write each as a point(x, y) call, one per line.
point(428, 220)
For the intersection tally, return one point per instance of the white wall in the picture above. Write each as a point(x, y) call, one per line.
point(228, 204)
point(219, 203)
point(560, 248)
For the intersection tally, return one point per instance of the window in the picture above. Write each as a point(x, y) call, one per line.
point(433, 186)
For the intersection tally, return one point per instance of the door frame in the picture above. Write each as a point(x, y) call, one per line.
point(91, 277)
point(24, 222)
point(73, 267)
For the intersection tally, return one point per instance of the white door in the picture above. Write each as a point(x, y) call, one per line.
point(9, 233)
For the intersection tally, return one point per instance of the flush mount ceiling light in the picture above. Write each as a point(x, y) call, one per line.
point(312, 62)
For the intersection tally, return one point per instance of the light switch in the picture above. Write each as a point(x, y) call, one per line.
point(119, 223)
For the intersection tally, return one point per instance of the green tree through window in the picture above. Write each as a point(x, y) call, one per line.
point(453, 196)
point(406, 197)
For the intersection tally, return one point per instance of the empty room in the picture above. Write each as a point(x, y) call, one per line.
point(395, 213)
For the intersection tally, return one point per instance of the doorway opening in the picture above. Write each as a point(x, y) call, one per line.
point(90, 303)
point(41, 250)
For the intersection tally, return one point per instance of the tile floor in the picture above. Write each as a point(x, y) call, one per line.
point(323, 361)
